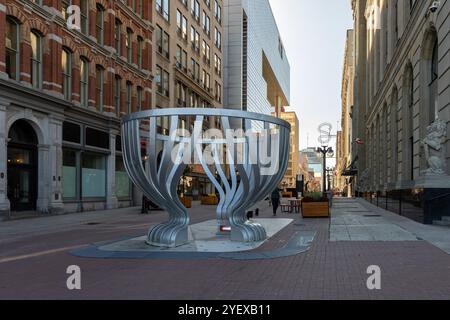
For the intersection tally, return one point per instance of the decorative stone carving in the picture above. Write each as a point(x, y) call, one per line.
point(433, 145)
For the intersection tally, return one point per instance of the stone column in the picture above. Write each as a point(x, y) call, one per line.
point(4, 202)
point(55, 162)
point(44, 181)
point(111, 198)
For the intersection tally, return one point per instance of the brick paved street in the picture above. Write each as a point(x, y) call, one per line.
point(34, 255)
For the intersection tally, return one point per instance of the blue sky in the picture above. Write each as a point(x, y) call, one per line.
point(314, 34)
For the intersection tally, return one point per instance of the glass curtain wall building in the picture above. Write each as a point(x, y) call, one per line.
point(257, 70)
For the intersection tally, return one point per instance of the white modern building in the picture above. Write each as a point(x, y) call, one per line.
point(256, 68)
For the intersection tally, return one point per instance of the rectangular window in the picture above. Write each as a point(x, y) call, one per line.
point(99, 88)
point(117, 35)
point(129, 46)
point(84, 12)
point(93, 177)
point(158, 79)
point(12, 48)
point(184, 28)
point(140, 8)
point(117, 90)
point(218, 39)
point(218, 92)
point(36, 60)
point(66, 64)
point(71, 132)
point(123, 183)
point(69, 174)
point(206, 23)
point(129, 97)
point(97, 138)
point(166, 83)
point(218, 12)
point(162, 6)
point(84, 82)
point(197, 41)
point(140, 51)
point(99, 24)
point(139, 98)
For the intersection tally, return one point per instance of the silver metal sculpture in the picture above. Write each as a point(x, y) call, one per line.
point(255, 163)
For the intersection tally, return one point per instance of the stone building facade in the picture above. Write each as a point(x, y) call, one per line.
point(62, 94)
point(188, 65)
point(290, 178)
point(402, 105)
point(344, 142)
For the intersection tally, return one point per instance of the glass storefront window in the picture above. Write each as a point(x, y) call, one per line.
point(93, 180)
point(69, 174)
point(123, 189)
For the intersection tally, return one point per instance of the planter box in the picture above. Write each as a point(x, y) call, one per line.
point(209, 200)
point(316, 209)
point(286, 194)
point(186, 201)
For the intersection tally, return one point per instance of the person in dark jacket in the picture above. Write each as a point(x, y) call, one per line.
point(275, 198)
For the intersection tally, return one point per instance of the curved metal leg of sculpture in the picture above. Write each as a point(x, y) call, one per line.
point(257, 186)
point(158, 185)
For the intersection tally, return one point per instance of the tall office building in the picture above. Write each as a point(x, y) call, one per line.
point(345, 144)
point(62, 94)
point(188, 64)
point(257, 71)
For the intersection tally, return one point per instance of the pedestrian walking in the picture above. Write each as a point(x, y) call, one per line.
point(275, 198)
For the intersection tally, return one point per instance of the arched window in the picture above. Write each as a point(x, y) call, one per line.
point(433, 86)
point(84, 81)
point(99, 24)
point(99, 84)
point(36, 59)
point(66, 64)
point(12, 48)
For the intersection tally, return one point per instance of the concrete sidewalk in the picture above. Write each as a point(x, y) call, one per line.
point(358, 220)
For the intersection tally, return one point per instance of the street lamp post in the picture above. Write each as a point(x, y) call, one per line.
point(325, 150)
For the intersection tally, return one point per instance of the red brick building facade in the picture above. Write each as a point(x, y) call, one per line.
point(54, 80)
